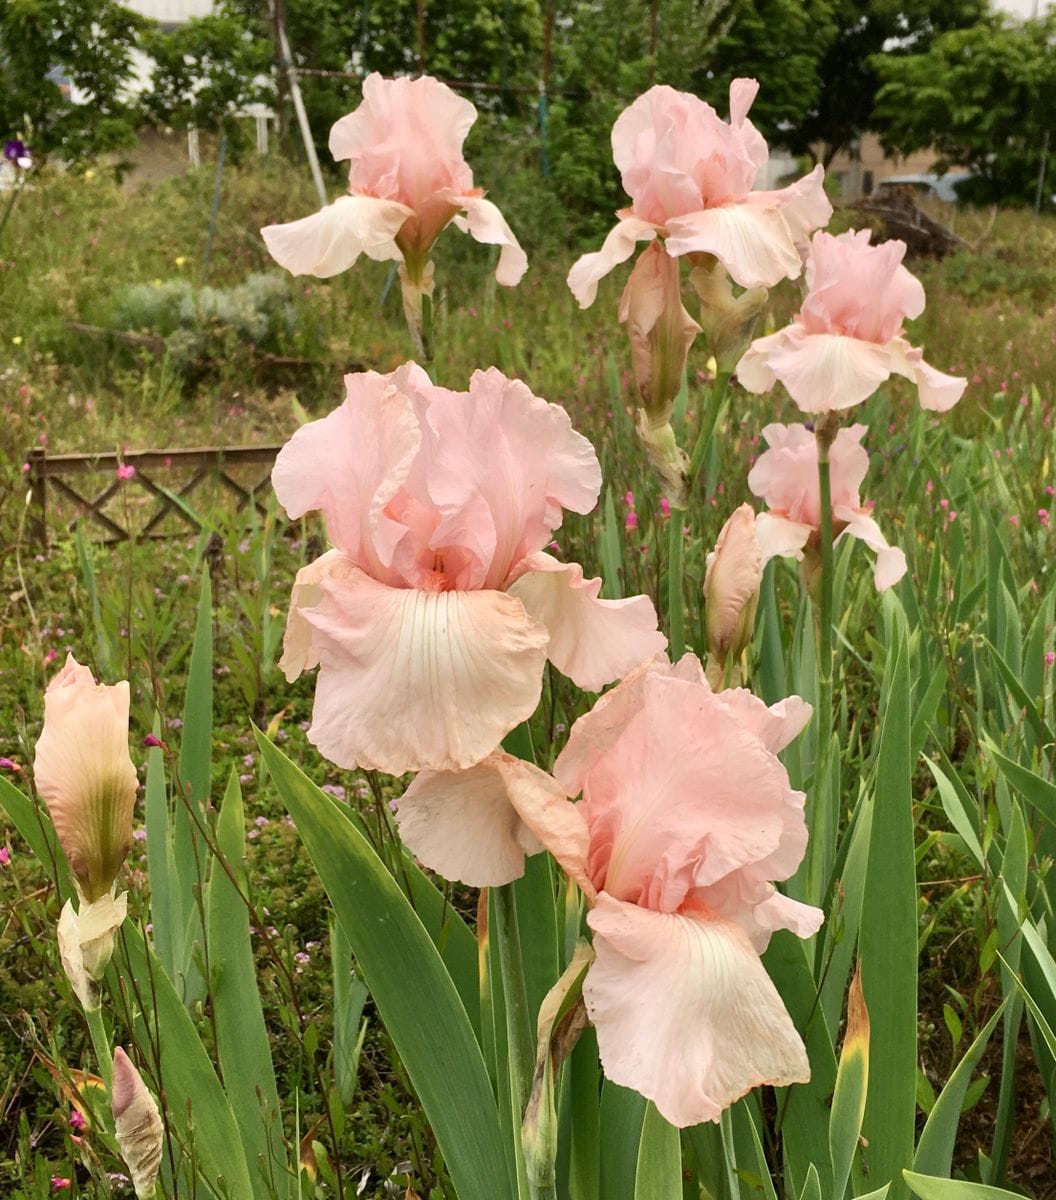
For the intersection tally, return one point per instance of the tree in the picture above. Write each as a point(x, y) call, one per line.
point(863, 31)
point(782, 43)
point(206, 71)
point(91, 41)
point(982, 97)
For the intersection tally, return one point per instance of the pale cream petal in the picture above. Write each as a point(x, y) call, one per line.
point(890, 560)
point(330, 241)
point(618, 246)
point(780, 537)
point(825, 371)
point(754, 372)
point(297, 652)
point(466, 825)
point(754, 244)
point(938, 391)
point(411, 680)
point(685, 1013)
point(592, 641)
point(68, 936)
point(485, 223)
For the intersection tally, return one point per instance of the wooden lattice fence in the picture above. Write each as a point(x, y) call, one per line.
point(142, 494)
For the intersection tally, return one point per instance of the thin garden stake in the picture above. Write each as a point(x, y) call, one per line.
point(216, 200)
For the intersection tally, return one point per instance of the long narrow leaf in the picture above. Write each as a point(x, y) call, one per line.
point(658, 1175)
point(935, 1148)
point(888, 939)
point(197, 1105)
point(412, 989)
point(928, 1188)
point(242, 1043)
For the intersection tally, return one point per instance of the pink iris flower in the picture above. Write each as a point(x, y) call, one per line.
point(786, 477)
point(690, 177)
point(407, 180)
point(432, 617)
point(687, 817)
point(847, 337)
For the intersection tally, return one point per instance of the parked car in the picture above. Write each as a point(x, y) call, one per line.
point(939, 187)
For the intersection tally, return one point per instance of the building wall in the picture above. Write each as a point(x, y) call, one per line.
point(859, 175)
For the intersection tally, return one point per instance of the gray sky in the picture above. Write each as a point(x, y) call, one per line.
point(1023, 8)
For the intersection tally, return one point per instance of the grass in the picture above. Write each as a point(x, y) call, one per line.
point(969, 498)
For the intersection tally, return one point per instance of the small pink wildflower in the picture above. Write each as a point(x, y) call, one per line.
point(628, 499)
point(8, 764)
point(1050, 657)
point(1013, 519)
point(77, 1120)
point(665, 508)
point(631, 523)
point(125, 471)
point(59, 1183)
point(5, 856)
point(1043, 518)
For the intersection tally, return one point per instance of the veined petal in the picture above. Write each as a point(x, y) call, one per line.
point(827, 371)
point(297, 652)
point(938, 391)
point(467, 825)
point(890, 560)
point(331, 240)
point(685, 1013)
point(592, 641)
point(754, 244)
point(485, 223)
point(617, 248)
point(411, 680)
point(754, 372)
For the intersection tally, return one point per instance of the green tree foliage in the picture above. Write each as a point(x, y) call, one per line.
point(206, 71)
point(605, 53)
point(982, 97)
point(849, 40)
point(782, 43)
point(92, 42)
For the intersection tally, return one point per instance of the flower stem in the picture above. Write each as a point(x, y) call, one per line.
point(427, 329)
point(520, 1044)
point(101, 1045)
point(15, 192)
point(676, 619)
point(824, 809)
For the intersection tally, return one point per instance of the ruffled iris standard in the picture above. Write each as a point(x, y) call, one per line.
point(433, 616)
